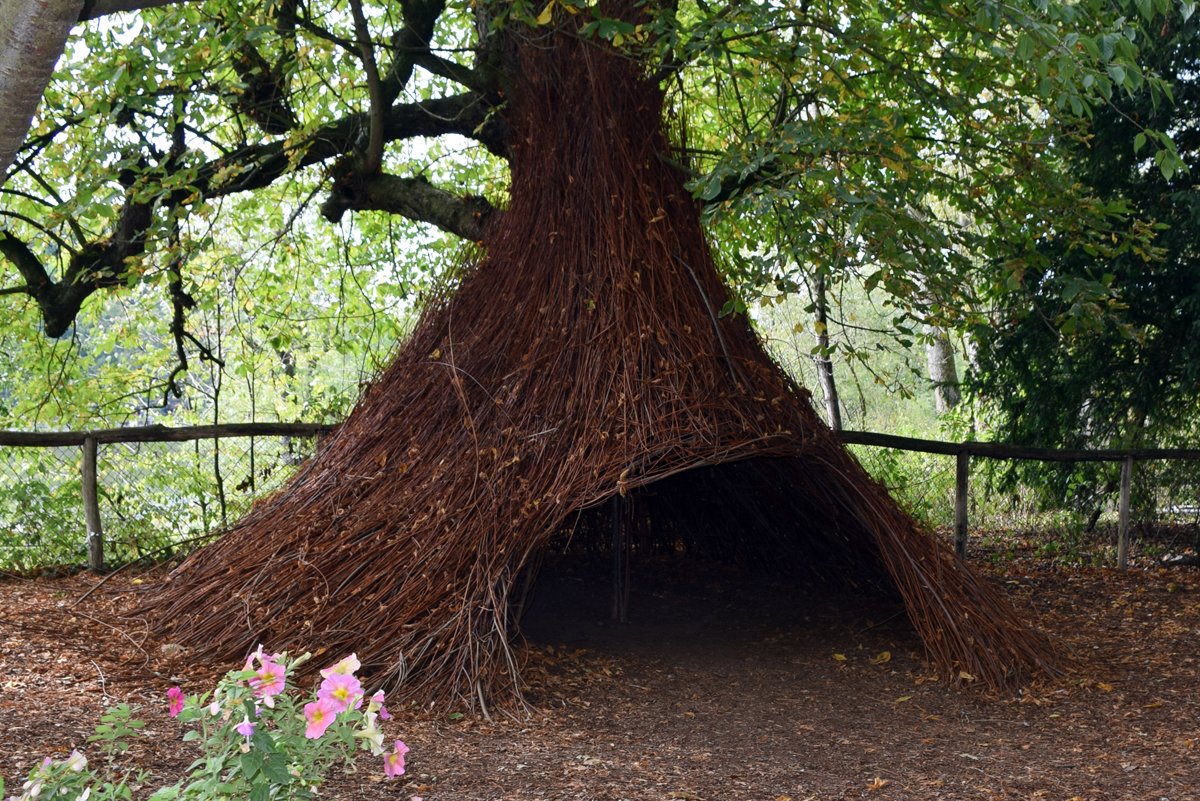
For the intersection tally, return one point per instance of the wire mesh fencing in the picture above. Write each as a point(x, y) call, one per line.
point(155, 499)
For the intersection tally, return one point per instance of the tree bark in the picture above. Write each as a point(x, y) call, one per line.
point(943, 373)
point(824, 364)
point(415, 198)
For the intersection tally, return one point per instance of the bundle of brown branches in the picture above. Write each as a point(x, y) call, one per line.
point(582, 357)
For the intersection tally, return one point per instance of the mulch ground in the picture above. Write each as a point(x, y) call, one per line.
point(723, 685)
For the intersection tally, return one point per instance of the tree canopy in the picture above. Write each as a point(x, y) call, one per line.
point(1133, 378)
point(190, 167)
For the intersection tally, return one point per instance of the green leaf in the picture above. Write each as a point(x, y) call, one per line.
point(1025, 47)
point(1139, 142)
point(261, 791)
point(1117, 72)
point(263, 741)
point(711, 189)
point(252, 762)
point(275, 769)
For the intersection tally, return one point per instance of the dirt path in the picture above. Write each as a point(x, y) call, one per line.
point(723, 685)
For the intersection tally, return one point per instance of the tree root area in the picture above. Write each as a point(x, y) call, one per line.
point(723, 684)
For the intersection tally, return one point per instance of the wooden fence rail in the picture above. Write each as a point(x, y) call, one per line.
point(962, 451)
point(55, 439)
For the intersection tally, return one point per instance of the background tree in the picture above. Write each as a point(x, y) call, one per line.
point(1092, 349)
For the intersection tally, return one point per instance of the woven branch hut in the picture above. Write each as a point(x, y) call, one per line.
point(581, 358)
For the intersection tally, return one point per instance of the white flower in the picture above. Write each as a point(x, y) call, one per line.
point(76, 761)
point(372, 737)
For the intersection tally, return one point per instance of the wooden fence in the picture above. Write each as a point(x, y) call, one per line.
point(963, 451)
point(89, 440)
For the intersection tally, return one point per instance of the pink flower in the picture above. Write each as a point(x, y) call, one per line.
point(269, 679)
point(246, 727)
point(319, 715)
point(175, 700)
point(342, 690)
point(393, 763)
point(377, 703)
point(347, 665)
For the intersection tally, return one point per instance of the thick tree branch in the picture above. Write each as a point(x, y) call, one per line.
point(413, 37)
point(27, 263)
point(99, 8)
point(264, 99)
point(451, 70)
point(59, 301)
point(468, 216)
point(374, 155)
point(466, 114)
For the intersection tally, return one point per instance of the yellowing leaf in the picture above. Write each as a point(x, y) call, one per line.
point(903, 698)
point(883, 658)
point(840, 657)
point(1108, 688)
point(544, 17)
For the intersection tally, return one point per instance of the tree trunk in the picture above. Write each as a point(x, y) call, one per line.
point(33, 34)
point(943, 374)
point(824, 364)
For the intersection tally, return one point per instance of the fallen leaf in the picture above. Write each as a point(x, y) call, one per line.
point(903, 698)
point(965, 676)
point(878, 784)
point(1155, 705)
point(883, 658)
point(840, 657)
point(1108, 688)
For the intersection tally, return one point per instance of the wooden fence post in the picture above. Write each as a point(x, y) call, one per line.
point(961, 490)
point(1123, 514)
point(91, 507)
